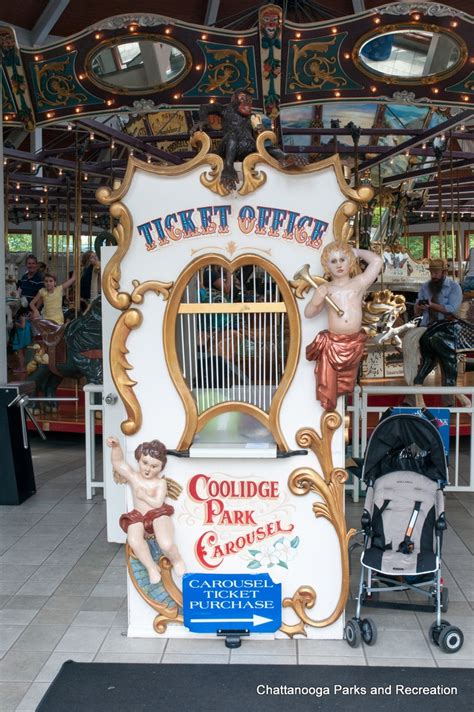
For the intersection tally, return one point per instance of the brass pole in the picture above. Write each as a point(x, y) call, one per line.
point(68, 229)
point(46, 233)
point(5, 220)
point(77, 230)
point(459, 238)
point(453, 242)
point(440, 217)
point(90, 228)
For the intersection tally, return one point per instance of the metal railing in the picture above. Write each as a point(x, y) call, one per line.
point(91, 408)
point(360, 410)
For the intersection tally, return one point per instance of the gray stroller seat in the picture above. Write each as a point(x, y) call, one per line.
point(396, 502)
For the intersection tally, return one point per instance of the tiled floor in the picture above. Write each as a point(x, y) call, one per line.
point(63, 593)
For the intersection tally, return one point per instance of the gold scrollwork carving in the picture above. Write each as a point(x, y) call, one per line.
point(166, 613)
point(305, 597)
point(212, 179)
point(225, 72)
point(253, 179)
point(140, 289)
point(119, 366)
point(123, 234)
point(51, 78)
point(330, 489)
point(316, 65)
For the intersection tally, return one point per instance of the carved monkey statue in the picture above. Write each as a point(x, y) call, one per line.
point(238, 139)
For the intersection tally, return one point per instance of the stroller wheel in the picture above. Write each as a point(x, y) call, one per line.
point(369, 631)
point(451, 639)
point(435, 631)
point(352, 633)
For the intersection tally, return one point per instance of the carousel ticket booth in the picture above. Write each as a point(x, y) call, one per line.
point(204, 336)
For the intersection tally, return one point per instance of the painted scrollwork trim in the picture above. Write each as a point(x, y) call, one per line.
point(330, 488)
point(119, 366)
point(432, 9)
point(166, 614)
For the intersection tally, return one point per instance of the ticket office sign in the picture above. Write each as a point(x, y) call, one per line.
point(250, 602)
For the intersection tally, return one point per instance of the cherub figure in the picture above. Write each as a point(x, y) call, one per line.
point(338, 350)
point(151, 515)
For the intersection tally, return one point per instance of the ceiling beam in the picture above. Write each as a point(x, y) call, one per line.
point(460, 118)
point(429, 170)
point(131, 141)
point(47, 20)
point(212, 10)
point(358, 5)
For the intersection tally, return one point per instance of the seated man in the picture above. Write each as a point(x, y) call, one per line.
point(440, 297)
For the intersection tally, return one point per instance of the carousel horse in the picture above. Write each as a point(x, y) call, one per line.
point(13, 301)
point(440, 344)
point(380, 315)
point(74, 350)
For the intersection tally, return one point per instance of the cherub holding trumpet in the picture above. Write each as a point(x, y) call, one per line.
point(338, 349)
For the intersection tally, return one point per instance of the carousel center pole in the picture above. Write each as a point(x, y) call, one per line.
point(3, 247)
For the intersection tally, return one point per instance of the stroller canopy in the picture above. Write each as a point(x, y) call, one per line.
point(405, 442)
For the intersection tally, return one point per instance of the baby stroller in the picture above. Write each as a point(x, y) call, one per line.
point(405, 471)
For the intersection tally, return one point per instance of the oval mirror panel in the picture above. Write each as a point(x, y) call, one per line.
point(138, 65)
point(411, 54)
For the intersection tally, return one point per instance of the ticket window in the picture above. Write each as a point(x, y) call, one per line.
point(232, 338)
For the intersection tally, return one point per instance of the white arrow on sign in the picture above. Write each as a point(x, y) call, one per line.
point(255, 620)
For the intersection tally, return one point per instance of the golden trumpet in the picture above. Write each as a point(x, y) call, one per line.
point(304, 274)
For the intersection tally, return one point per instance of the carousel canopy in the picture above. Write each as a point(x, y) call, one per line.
point(388, 87)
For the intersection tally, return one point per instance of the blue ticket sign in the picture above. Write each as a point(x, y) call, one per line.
point(213, 602)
